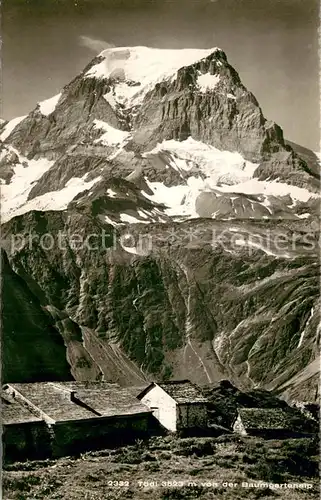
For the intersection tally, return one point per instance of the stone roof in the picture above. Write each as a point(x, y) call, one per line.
point(265, 418)
point(67, 401)
point(182, 391)
point(108, 400)
point(87, 384)
point(53, 401)
point(136, 390)
point(14, 413)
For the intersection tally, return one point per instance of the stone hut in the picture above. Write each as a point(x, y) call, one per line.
point(76, 416)
point(177, 405)
point(270, 423)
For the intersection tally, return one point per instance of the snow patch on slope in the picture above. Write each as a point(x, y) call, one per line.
point(305, 328)
point(304, 216)
point(11, 125)
point(108, 220)
point(270, 188)
point(112, 136)
point(207, 81)
point(132, 220)
point(110, 98)
point(136, 70)
point(111, 193)
point(142, 247)
point(178, 200)
point(131, 250)
point(54, 200)
point(15, 194)
point(49, 105)
point(260, 246)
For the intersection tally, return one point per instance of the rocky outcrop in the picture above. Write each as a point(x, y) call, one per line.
point(70, 123)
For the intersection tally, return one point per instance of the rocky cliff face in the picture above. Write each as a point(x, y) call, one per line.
point(176, 306)
point(145, 204)
point(224, 113)
point(32, 348)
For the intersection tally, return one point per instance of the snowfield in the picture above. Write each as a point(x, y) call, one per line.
point(216, 171)
point(110, 98)
point(178, 200)
point(216, 165)
point(54, 200)
point(203, 169)
point(132, 220)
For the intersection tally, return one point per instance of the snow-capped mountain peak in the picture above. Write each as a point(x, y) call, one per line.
point(182, 118)
point(136, 70)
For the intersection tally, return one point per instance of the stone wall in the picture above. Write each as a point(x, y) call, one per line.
point(190, 416)
point(279, 433)
point(29, 440)
point(37, 440)
point(74, 437)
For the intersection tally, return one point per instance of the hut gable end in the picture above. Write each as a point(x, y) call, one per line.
point(161, 404)
point(177, 405)
point(181, 391)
